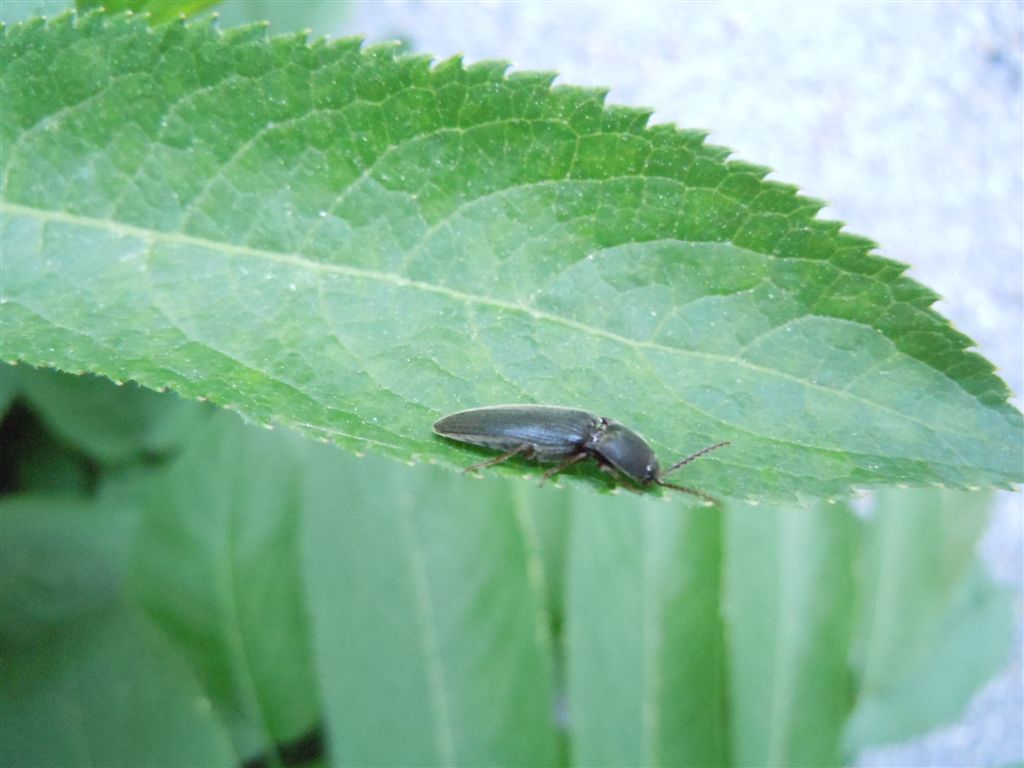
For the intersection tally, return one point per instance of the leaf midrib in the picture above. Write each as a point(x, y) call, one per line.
point(300, 262)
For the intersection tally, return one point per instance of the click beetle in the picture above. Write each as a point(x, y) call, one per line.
point(563, 436)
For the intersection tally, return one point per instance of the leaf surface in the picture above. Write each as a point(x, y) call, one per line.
point(356, 243)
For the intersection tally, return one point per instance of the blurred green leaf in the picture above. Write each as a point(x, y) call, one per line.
point(646, 657)
point(8, 388)
point(433, 600)
point(34, 460)
point(86, 680)
point(106, 692)
point(544, 519)
point(217, 567)
point(111, 424)
point(933, 626)
point(61, 560)
point(789, 608)
point(355, 244)
point(958, 652)
point(430, 632)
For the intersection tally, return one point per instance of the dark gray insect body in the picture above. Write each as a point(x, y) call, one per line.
point(553, 434)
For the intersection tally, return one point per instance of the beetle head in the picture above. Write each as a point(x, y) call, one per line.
point(627, 452)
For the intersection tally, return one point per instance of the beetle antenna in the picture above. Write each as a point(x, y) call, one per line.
point(692, 491)
point(690, 458)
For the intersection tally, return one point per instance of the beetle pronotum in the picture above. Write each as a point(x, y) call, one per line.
point(563, 436)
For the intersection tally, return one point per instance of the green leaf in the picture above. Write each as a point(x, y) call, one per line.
point(544, 519)
point(33, 460)
point(430, 633)
point(958, 652)
point(356, 243)
point(933, 627)
point(646, 655)
point(61, 560)
point(789, 608)
point(110, 692)
point(86, 679)
point(217, 567)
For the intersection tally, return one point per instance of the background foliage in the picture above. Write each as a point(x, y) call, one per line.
point(234, 587)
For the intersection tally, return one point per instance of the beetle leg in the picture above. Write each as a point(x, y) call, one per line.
point(524, 449)
point(621, 480)
point(567, 463)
